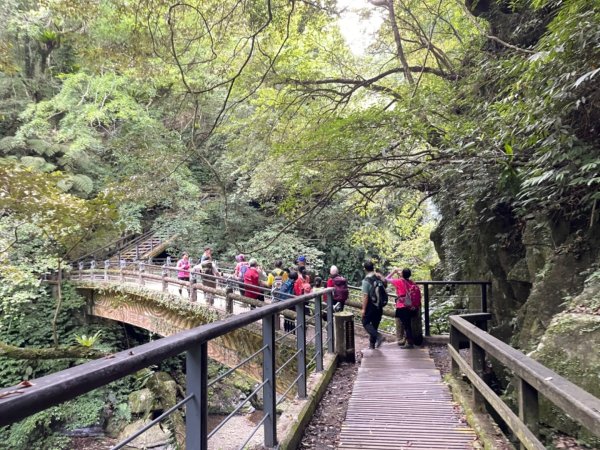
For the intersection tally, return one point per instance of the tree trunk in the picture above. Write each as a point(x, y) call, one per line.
point(11, 351)
point(58, 304)
point(399, 49)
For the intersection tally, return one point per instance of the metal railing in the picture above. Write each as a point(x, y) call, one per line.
point(164, 266)
point(17, 403)
point(533, 379)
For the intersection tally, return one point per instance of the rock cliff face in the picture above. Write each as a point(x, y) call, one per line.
point(545, 270)
point(546, 292)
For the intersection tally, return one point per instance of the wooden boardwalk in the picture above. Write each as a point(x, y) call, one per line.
point(399, 402)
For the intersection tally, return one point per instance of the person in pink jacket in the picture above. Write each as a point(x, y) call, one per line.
point(183, 270)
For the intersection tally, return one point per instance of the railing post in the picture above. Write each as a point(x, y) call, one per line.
point(106, 266)
point(228, 300)
point(93, 268)
point(301, 348)
point(122, 264)
point(137, 252)
point(168, 261)
point(319, 333)
point(164, 278)
point(484, 305)
point(426, 308)
point(269, 392)
point(193, 291)
point(529, 411)
point(455, 343)
point(478, 365)
point(330, 322)
point(81, 263)
point(483, 297)
point(142, 269)
point(196, 412)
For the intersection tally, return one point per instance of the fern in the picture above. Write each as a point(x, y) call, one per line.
point(42, 147)
point(9, 143)
point(38, 163)
point(82, 183)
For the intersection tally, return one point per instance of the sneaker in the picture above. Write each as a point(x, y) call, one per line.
point(380, 339)
point(401, 343)
point(407, 346)
point(371, 346)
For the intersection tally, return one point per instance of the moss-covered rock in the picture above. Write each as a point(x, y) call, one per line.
point(561, 280)
point(140, 402)
point(565, 348)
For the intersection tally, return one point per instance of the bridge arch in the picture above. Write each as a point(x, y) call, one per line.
point(167, 314)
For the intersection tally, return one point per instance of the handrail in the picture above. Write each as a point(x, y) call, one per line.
point(17, 403)
point(533, 379)
point(117, 243)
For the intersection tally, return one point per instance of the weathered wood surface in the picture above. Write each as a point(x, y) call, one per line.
point(400, 402)
point(571, 399)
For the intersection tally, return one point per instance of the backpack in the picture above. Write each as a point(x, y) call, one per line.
point(277, 281)
point(243, 270)
point(415, 295)
point(340, 289)
point(378, 295)
point(207, 267)
point(284, 292)
point(411, 298)
point(306, 288)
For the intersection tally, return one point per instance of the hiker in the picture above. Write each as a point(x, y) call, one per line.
point(207, 254)
point(318, 288)
point(289, 324)
point(340, 285)
point(300, 262)
point(252, 278)
point(276, 278)
point(183, 270)
point(302, 285)
point(374, 299)
point(408, 303)
point(240, 270)
point(209, 271)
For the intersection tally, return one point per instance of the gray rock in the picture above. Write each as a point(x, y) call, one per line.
point(140, 402)
point(154, 438)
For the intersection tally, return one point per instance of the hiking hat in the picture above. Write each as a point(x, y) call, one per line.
point(333, 270)
point(301, 258)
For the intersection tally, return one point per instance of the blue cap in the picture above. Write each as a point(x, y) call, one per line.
point(301, 258)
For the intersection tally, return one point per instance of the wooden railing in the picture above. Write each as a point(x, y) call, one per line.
point(533, 380)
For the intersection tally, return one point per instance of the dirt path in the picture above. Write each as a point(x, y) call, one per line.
point(323, 431)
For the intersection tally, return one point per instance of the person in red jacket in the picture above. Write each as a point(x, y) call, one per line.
point(408, 301)
point(252, 278)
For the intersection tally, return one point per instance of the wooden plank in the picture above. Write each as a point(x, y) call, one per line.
point(525, 435)
point(399, 401)
point(571, 399)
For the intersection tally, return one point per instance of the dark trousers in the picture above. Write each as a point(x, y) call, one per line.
point(405, 316)
point(371, 322)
